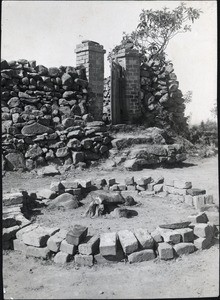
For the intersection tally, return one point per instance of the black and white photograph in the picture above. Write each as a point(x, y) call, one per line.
point(109, 149)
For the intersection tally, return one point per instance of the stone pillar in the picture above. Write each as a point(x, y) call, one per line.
point(91, 55)
point(130, 60)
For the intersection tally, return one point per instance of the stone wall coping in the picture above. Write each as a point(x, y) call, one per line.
point(89, 46)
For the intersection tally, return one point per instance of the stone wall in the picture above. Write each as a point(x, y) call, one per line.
point(46, 116)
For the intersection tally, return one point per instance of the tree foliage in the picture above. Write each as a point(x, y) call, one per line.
point(156, 28)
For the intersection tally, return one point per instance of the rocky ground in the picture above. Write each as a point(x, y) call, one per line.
point(196, 275)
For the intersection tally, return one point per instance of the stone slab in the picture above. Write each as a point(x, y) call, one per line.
point(38, 237)
point(108, 244)
point(83, 260)
point(187, 234)
point(68, 248)
point(140, 256)
point(128, 241)
point(37, 252)
point(62, 258)
point(144, 238)
point(91, 246)
point(165, 251)
point(183, 248)
point(76, 235)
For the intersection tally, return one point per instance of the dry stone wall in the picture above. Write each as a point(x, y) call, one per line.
point(46, 116)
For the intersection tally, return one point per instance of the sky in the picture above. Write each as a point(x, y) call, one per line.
point(48, 32)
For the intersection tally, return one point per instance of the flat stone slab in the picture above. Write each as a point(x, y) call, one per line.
point(165, 251)
point(183, 248)
point(144, 238)
point(128, 241)
point(107, 244)
point(38, 237)
point(175, 225)
point(37, 252)
point(26, 229)
point(140, 256)
point(91, 246)
point(76, 235)
point(196, 192)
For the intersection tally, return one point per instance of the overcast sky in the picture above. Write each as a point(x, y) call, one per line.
point(48, 31)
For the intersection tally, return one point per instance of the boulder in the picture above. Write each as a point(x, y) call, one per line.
point(15, 161)
point(65, 200)
point(35, 129)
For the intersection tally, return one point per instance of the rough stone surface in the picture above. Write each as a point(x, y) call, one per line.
point(202, 243)
point(65, 200)
point(53, 243)
point(38, 237)
point(182, 184)
point(165, 251)
point(183, 248)
point(171, 236)
point(68, 248)
point(37, 252)
point(140, 256)
point(15, 161)
point(108, 244)
point(35, 129)
point(76, 235)
point(13, 198)
point(186, 234)
point(144, 238)
point(203, 230)
point(198, 218)
point(83, 260)
point(62, 258)
point(91, 246)
point(128, 241)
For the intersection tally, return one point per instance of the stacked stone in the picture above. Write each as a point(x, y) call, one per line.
point(166, 241)
point(16, 206)
point(162, 101)
point(44, 116)
point(107, 98)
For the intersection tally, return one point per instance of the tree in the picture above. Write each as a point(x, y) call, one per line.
point(214, 110)
point(188, 97)
point(156, 28)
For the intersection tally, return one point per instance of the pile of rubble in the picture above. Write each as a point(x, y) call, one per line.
point(45, 117)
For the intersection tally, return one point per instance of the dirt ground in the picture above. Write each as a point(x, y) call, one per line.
point(196, 275)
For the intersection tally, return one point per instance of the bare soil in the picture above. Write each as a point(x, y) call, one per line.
point(195, 275)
